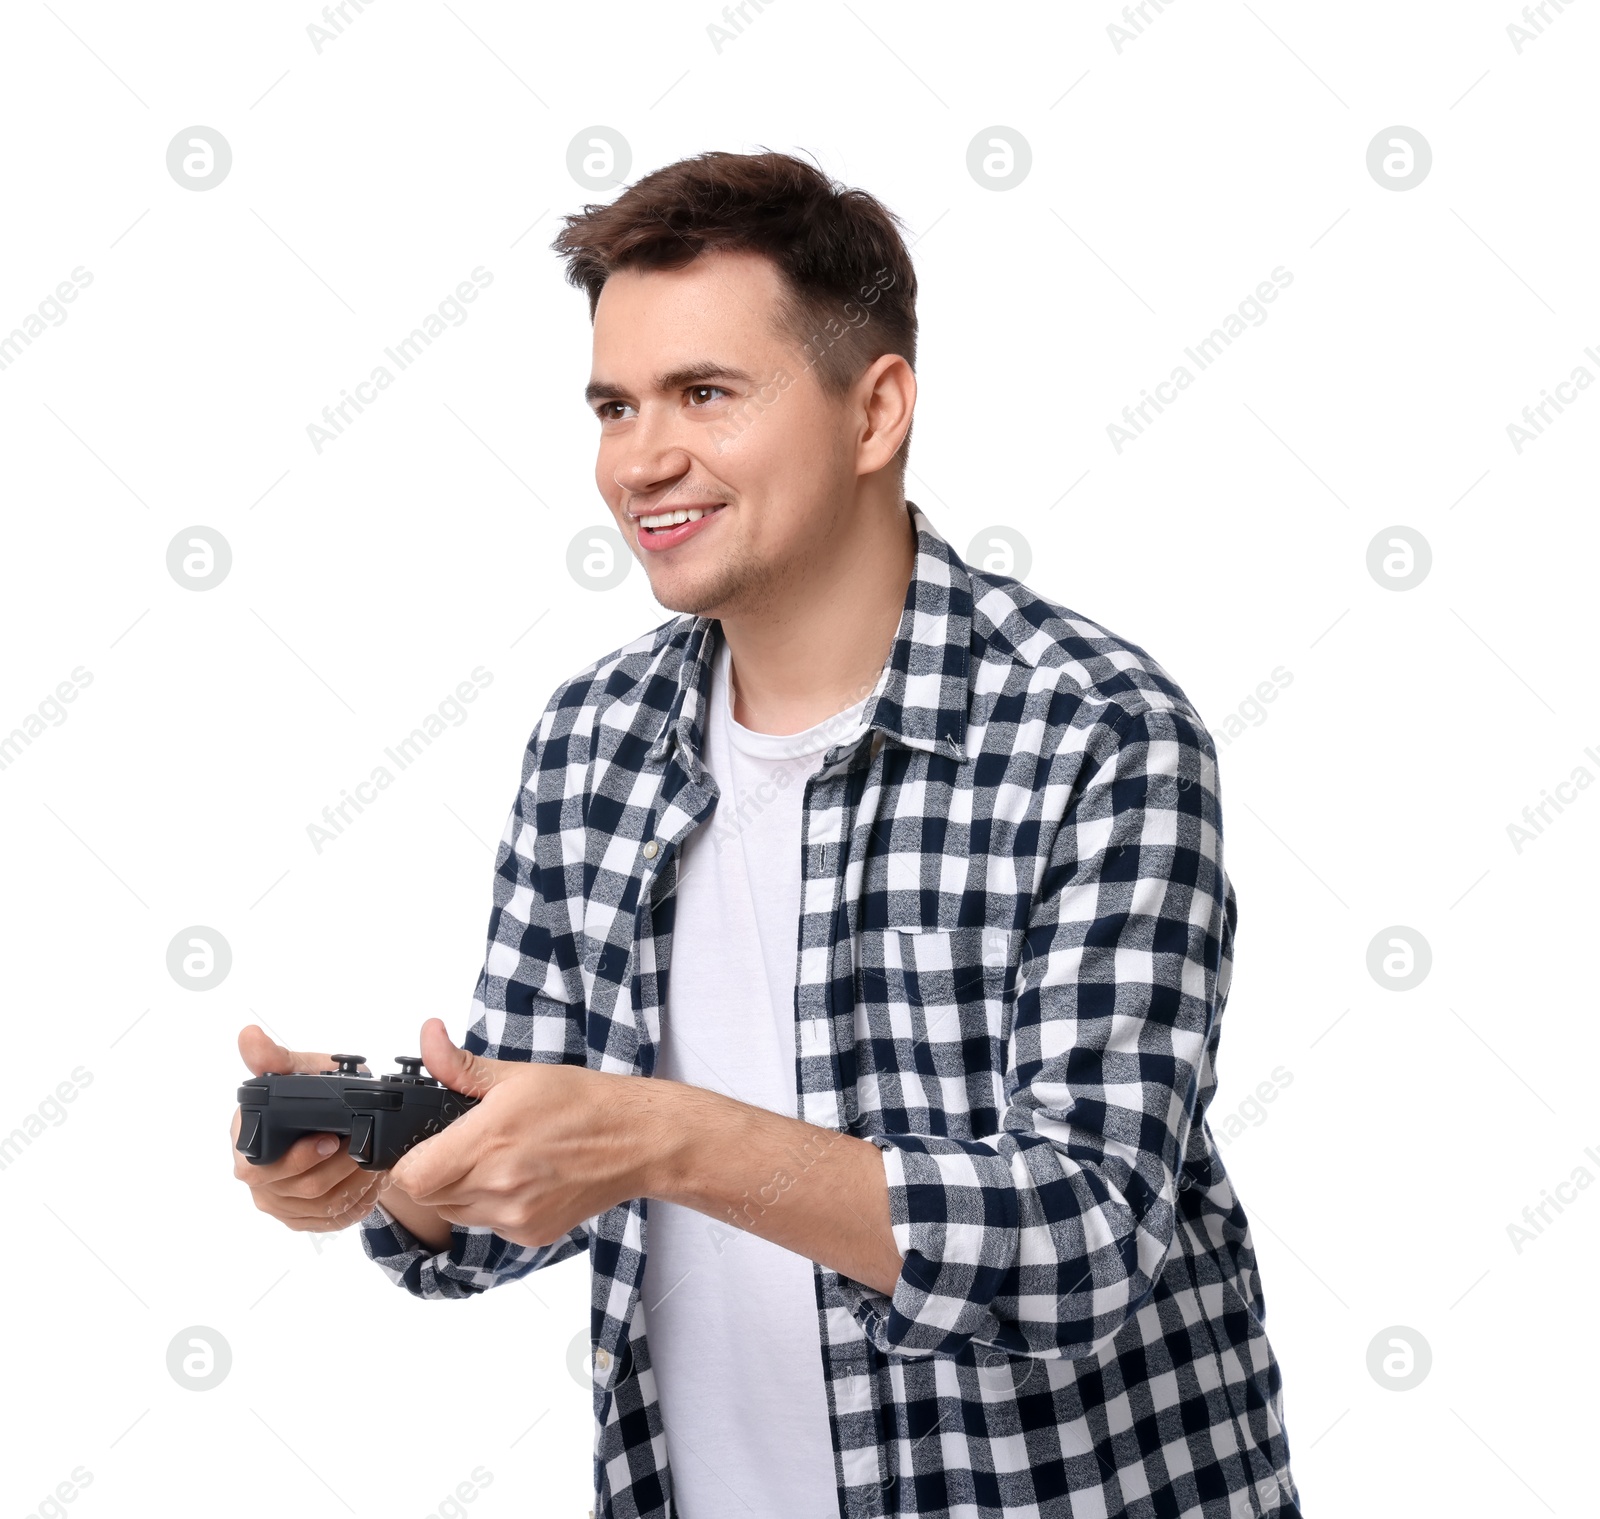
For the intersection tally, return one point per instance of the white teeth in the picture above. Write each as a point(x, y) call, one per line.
point(672, 519)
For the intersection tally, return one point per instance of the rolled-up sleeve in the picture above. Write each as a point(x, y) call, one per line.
point(1045, 1238)
point(527, 1005)
point(474, 1260)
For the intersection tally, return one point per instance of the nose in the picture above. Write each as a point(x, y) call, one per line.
point(648, 457)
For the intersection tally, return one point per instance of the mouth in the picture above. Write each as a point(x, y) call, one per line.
point(667, 529)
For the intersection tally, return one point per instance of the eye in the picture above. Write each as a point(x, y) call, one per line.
point(606, 414)
point(695, 390)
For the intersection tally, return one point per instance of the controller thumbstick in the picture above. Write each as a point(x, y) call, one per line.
point(349, 1065)
point(410, 1065)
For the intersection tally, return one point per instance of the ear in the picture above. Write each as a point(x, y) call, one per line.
point(888, 391)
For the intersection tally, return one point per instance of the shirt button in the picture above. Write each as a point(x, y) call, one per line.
point(651, 849)
point(602, 1359)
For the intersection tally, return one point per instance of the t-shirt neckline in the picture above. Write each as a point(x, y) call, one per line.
point(839, 728)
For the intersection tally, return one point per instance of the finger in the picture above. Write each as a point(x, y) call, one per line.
point(324, 1178)
point(472, 1212)
point(471, 1075)
point(336, 1211)
point(307, 1151)
point(263, 1054)
point(439, 1162)
point(333, 1203)
point(529, 1235)
point(466, 1217)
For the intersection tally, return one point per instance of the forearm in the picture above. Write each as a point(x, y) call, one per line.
point(815, 1191)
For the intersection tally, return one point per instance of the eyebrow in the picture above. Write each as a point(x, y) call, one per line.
point(671, 379)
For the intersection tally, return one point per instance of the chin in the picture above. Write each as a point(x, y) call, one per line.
point(684, 595)
point(706, 594)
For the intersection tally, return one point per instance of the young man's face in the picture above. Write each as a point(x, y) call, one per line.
point(708, 409)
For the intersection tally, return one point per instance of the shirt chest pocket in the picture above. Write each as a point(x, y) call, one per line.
point(933, 1017)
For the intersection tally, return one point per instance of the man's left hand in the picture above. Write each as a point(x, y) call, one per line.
point(547, 1147)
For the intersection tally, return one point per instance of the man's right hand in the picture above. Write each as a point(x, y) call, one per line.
point(316, 1186)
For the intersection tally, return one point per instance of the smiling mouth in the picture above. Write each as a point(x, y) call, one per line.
point(662, 522)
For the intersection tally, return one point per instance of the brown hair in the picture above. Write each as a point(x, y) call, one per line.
point(853, 291)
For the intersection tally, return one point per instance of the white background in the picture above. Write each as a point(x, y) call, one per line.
point(1230, 539)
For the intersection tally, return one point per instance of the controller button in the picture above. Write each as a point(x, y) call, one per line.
point(410, 1065)
point(349, 1065)
point(250, 1134)
point(361, 1137)
point(365, 1097)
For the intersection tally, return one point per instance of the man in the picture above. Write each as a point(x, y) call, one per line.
point(859, 948)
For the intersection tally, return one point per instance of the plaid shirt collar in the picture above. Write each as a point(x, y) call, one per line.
point(922, 695)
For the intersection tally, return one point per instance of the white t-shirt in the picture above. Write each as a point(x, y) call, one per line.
point(732, 1318)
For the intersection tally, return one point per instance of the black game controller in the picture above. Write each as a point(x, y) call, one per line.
point(383, 1116)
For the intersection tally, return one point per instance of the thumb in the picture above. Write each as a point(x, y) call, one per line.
point(471, 1075)
point(262, 1054)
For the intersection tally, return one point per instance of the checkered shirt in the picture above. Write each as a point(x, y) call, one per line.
point(1013, 953)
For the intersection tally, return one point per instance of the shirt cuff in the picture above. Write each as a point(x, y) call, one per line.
point(409, 1263)
point(953, 1213)
point(475, 1259)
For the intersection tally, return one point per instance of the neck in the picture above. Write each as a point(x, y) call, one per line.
point(819, 645)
